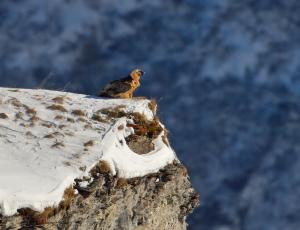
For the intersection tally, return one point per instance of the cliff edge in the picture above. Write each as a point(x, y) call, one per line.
point(71, 161)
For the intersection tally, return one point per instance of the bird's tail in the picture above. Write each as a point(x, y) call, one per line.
point(103, 94)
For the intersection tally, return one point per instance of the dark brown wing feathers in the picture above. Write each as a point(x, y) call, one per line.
point(116, 87)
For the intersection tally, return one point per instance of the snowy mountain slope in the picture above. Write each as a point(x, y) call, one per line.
point(49, 138)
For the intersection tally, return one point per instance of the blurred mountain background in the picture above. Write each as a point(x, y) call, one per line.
point(225, 74)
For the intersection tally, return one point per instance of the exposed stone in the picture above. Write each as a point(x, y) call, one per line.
point(157, 201)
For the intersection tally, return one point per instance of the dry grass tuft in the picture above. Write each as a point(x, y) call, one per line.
point(97, 117)
point(57, 107)
point(58, 145)
point(88, 126)
point(165, 137)
point(142, 126)
point(113, 112)
point(69, 119)
point(152, 105)
point(102, 167)
point(53, 135)
point(19, 115)
point(82, 168)
point(24, 125)
point(81, 119)
point(120, 127)
point(59, 99)
point(67, 163)
point(14, 90)
point(47, 124)
point(34, 119)
point(69, 133)
point(78, 112)
point(15, 102)
point(30, 111)
point(121, 183)
point(89, 143)
point(3, 116)
point(43, 217)
point(49, 136)
point(59, 117)
point(33, 218)
point(149, 128)
point(138, 129)
point(29, 134)
point(69, 195)
point(62, 126)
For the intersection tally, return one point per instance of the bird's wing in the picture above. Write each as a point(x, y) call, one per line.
point(116, 87)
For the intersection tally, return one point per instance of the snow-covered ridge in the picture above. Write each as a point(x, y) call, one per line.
point(49, 138)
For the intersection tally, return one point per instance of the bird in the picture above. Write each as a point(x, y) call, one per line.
point(124, 87)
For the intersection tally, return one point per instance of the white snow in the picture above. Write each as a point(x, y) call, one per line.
point(34, 172)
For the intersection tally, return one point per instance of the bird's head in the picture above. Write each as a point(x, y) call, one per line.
point(136, 74)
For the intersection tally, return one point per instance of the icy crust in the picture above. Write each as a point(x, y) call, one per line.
point(41, 155)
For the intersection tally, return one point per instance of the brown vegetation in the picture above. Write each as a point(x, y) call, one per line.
point(59, 117)
point(89, 143)
point(34, 119)
point(72, 120)
point(121, 183)
point(30, 111)
point(47, 124)
point(19, 115)
point(62, 126)
point(120, 127)
point(3, 116)
point(82, 119)
point(29, 134)
point(78, 112)
point(33, 218)
point(58, 145)
point(59, 99)
point(15, 102)
point(101, 167)
point(53, 135)
point(69, 133)
point(49, 136)
point(165, 137)
point(152, 105)
point(143, 126)
point(97, 117)
point(104, 167)
point(14, 90)
point(57, 107)
point(113, 112)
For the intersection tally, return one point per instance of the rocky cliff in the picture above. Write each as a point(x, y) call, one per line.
point(157, 201)
point(72, 161)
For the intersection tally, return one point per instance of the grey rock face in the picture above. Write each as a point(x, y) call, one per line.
point(157, 201)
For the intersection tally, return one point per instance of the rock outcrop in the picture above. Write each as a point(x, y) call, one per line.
point(157, 201)
point(91, 147)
